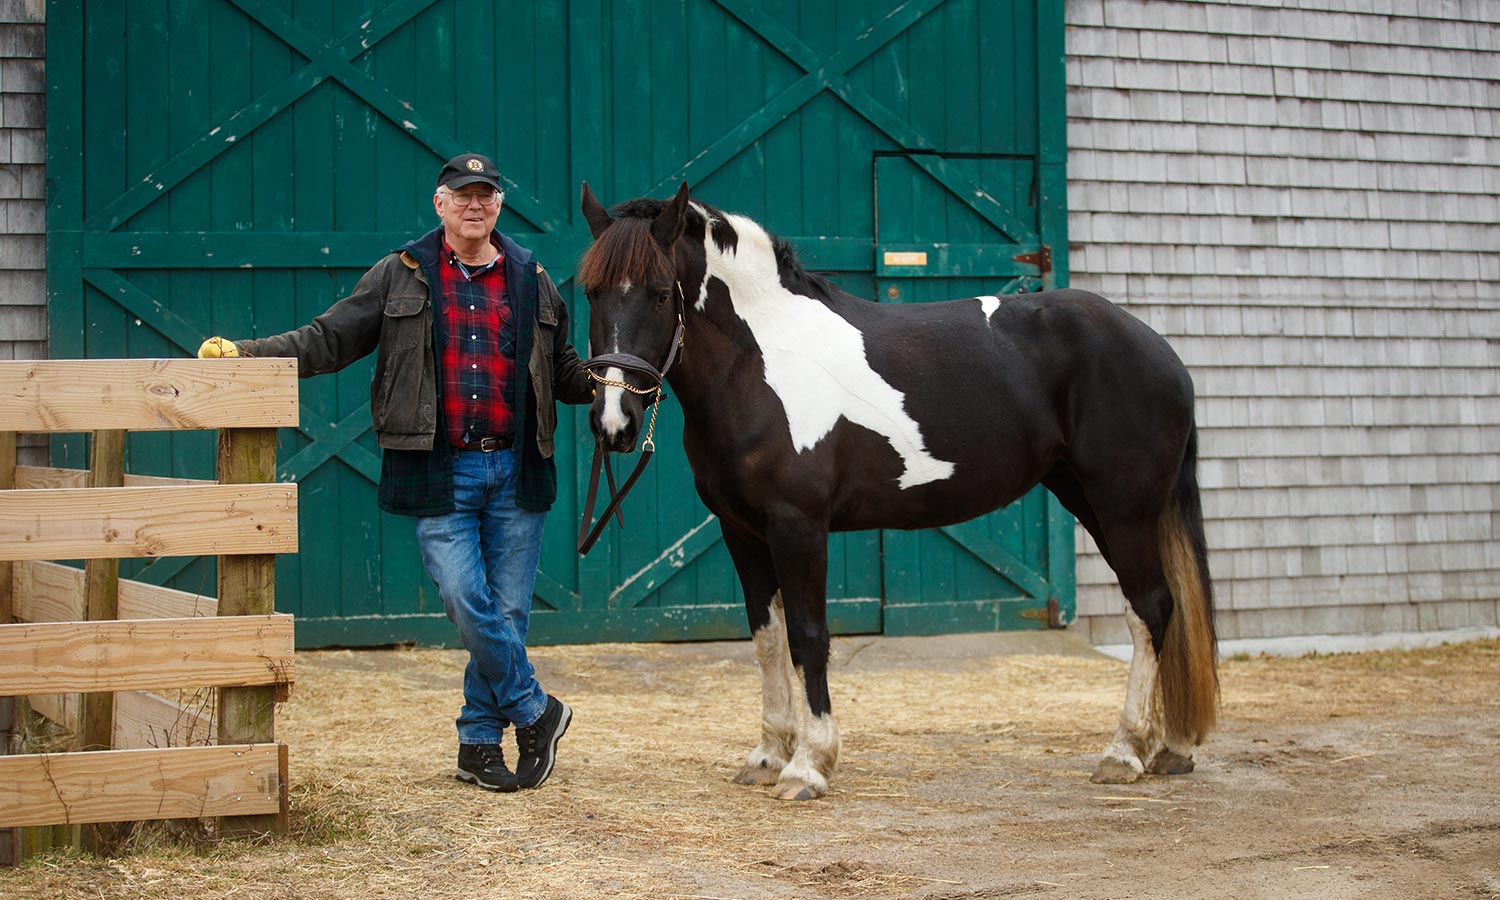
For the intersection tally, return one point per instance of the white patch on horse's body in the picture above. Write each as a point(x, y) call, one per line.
point(1140, 731)
point(708, 230)
point(989, 304)
point(814, 358)
point(613, 419)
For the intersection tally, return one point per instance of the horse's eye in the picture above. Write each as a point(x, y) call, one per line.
point(663, 295)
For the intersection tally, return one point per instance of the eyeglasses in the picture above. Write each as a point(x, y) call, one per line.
point(487, 199)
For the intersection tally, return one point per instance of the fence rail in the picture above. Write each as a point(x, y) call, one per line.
point(145, 654)
point(164, 699)
point(48, 592)
point(75, 395)
point(106, 786)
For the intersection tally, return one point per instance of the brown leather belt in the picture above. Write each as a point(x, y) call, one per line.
point(488, 444)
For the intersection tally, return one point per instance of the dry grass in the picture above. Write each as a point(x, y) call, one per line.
point(641, 804)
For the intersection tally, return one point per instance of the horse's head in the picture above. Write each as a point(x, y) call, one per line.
point(636, 304)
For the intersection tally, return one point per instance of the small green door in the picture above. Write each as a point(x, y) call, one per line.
point(965, 225)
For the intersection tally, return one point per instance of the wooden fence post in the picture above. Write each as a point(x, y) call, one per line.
point(16, 719)
point(102, 596)
point(8, 720)
point(7, 481)
point(102, 590)
point(247, 586)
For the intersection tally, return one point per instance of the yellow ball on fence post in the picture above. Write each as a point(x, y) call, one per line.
point(217, 348)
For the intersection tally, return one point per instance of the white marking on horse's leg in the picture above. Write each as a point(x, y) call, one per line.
point(806, 776)
point(613, 419)
point(1140, 731)
point(989, 304)
point(778, 717)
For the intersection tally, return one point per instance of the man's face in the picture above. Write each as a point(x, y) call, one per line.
point(464, 211)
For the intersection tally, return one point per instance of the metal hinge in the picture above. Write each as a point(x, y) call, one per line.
point(1042, 259)
point(1052, 615)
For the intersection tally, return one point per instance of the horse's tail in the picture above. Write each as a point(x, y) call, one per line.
point(1188, 663)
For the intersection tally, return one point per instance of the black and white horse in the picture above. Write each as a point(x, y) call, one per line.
point(807, 410)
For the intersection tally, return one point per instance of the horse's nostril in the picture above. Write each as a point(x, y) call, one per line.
point(617, 442)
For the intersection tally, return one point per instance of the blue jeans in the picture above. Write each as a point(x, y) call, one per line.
point(483, 557)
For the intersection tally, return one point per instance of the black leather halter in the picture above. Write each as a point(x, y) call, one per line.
point(630, 363)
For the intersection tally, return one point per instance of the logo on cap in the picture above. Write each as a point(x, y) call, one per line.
point(475, 165)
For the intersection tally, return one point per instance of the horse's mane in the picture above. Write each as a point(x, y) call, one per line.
point(627, 252)
point(789, 267)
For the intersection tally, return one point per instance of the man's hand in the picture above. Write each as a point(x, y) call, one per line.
point(217, 347)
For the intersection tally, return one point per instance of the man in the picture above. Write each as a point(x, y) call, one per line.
point(467, 434)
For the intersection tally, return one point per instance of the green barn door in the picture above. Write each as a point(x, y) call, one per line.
point(238, 164)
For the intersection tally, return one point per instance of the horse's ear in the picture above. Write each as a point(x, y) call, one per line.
point(594, 213)
point(669, 223)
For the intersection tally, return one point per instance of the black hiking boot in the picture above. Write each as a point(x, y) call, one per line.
point(538, 743)
point(484, 765)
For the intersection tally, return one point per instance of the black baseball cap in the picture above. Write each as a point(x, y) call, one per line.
point(469, 168)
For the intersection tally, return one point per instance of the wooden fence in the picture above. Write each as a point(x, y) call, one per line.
point(140, 702)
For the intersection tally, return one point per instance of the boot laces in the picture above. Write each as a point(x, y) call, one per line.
point(528, 738)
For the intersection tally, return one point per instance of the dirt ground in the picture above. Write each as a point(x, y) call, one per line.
point(964, 775)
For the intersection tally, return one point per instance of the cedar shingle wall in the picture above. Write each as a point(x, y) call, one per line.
point(1305, 201)
point(23, 220)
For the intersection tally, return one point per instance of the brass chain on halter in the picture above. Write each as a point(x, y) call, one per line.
point(648, 444)
point(620, 384)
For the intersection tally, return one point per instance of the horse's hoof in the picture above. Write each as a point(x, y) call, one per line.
point(1169, 762)
point(757, 775)
point(1115, 771)
point(795, 790)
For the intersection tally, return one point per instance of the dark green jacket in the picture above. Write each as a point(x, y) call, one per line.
point(392, 308)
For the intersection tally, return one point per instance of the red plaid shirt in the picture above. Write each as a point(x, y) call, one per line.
point(478, 357)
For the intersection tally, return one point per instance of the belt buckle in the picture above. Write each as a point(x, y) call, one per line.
point(489, 444)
